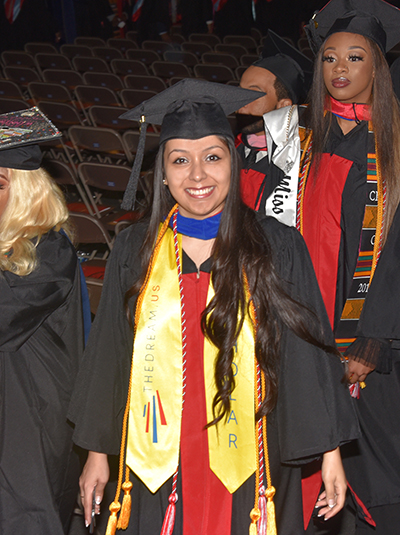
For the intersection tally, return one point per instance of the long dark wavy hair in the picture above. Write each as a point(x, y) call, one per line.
point(241, 245)
point(385, 119)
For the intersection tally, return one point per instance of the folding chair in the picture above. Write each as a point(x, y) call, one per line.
point(52, 61)
point(220, 59)
point(40, 91)
point(249, 43)
point(89, 230)
point(177, 39)
point(198, 49)
point(180, 56)
point(208, 38)
point(101, 144)
point(133, 97)
point(21, 75)
point(12, 104)
point(90, 64)
point(88, 95)
point(240, 70)
point(103, 180)
point(104, 79)
point(121, 44)
point(147, 83)
point(132, 35)
point(131, 139)
point(71, 51)
point(109, 117)
point(89, 41)
point(145, 56)
point(233, 50)
point(107, 53)
point(18, 59)
point(68, 78)
point(248, 59)
point(124, 67)
point(157, 46)
point(10, 89)
point(63, 115)
point(214, 73)
point(65, 176)
point(35, 48)
point(168, 69)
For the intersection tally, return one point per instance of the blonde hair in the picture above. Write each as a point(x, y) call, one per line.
point(35, 206)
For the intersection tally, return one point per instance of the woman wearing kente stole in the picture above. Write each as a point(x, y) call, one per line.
point(211, 354)
point(348, 214)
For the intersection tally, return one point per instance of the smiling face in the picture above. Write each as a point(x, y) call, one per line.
point(348, 68)
point(4, 188)
point(198, 174)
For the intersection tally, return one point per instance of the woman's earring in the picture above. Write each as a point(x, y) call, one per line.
point(164, 181)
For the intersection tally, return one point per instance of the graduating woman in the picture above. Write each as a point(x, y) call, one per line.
point(41, 335)
point(230, 389)
point(349, 191)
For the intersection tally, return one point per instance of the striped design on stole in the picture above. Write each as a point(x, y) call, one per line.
point(346, 330)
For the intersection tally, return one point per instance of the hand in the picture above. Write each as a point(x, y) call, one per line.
point(95, 474)
point(358, 371)
point(331, 501)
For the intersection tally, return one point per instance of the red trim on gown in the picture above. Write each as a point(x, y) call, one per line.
point(322, 212)
point(207, 505)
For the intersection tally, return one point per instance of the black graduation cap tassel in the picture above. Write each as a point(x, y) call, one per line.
point(128, 202)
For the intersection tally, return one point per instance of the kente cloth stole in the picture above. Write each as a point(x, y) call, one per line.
point(157, 381)
point(370, 245)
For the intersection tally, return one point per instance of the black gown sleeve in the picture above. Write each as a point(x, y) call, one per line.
point(314, 409)
point(100, 393)
point(27, 301)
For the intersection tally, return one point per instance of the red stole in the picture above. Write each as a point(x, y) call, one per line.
point(322, 209)
point(207, 505)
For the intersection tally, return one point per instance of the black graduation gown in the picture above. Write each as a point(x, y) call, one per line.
point(41, 342)
point(313, 414)
point(373, 463)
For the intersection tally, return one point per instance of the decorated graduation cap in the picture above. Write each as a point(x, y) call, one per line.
point(374, 19)
point(20, 134)
point(190, 109)
point(292, 68)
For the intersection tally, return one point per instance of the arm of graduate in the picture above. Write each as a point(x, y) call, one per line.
point(314, 409)
point(27, 301)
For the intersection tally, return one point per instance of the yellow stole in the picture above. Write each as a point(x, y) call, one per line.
point(156, 384)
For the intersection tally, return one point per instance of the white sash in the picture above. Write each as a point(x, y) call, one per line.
point(282, 128)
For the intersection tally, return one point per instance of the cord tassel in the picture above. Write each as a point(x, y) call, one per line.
point(271, 524)
point(112, 521)
point(169, 519)
point(125, 514)
point(262, 506)
point(255, 516)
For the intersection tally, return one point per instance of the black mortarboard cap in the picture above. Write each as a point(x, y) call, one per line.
point(374, 19)
point(190, 109)
point(288, 64)
point(20, 134)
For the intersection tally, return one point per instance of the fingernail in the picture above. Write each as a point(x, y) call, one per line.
point(98, 500)
point(86, 523)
